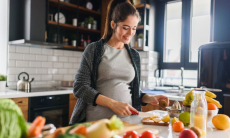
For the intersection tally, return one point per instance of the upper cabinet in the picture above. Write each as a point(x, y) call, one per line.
point(73, 23)
point(70, 24)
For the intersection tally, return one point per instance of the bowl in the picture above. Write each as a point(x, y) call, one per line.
point(211, 114)
point(173, 112)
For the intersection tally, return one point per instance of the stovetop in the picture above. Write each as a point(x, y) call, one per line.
point(42, 89)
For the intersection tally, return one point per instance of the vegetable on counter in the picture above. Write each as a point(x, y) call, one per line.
point(36, 127)
point(130, 134)
point(12, 122)
point(104, 128)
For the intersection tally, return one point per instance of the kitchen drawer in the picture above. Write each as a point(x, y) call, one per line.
point(21, 101)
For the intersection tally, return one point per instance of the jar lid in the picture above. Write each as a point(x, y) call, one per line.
point(198, 89)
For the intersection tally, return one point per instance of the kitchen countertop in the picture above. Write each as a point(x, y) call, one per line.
point(8, 93)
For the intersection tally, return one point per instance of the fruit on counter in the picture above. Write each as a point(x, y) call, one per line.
point(174, 120)
point(36, 126)
point(185, 118)
point(104, 128)
point(163, 103)
point(208, 95)
point(147, 134)
point(131, 134)
point(210, 100)
point(187, 134)
point(197, 131)
point(12, 122)
point(212, 106)
point(156, 120)
point(154, 116)
point(178, 126)
point(221, 121)
point(166, 118)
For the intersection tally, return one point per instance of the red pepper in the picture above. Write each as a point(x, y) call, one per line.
point(133, 112)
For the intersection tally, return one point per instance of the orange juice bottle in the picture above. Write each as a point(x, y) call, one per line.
point(198, 111)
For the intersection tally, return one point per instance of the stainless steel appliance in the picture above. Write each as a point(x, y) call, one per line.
point(55, 108)
point(24, 84)
point(214, 71)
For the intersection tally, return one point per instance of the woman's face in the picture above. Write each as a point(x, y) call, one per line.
point(126, 30)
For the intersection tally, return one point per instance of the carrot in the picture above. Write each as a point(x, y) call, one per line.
point(58, 131)
point(36, 127)
point(81, 129)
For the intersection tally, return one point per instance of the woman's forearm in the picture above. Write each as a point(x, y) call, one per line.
point(104, 101)
point(146, 99)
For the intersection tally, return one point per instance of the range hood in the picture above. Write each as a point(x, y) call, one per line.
point(31, 43)
point(27, 25)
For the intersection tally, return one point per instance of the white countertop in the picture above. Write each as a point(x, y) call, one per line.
point(17, 94)
point(167, 132)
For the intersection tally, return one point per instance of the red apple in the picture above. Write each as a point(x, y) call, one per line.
point(187, 134)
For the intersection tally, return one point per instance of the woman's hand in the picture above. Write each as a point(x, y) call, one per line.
point(122, 108)
point(154, 100)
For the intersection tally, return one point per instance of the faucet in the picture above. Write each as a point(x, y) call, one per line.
point(181, 87)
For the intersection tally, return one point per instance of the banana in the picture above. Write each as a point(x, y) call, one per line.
point(210, 94)
point(186, 103)
point(210, 100)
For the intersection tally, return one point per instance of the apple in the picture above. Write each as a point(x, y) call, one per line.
point(187, 134)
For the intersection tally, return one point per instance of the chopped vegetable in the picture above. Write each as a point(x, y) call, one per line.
point(12, 122)
point(70, 136)
point(75, 125)
point(104, 128)
point(58, 131)
point(36, 127)
point(81, 129)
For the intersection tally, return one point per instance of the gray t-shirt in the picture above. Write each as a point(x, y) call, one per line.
point(115, 72)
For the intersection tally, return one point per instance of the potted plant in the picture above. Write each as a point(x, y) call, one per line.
point(74, 40)
point(88, 22)
point(3, 79)
point(140, 40)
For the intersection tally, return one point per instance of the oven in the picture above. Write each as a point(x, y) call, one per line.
point(55, 108)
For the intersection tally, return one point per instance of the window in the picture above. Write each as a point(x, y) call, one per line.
point(184, 26)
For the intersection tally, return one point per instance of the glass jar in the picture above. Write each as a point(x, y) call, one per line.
point(198, 111)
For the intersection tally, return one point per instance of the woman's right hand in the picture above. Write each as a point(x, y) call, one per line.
point(122, 108)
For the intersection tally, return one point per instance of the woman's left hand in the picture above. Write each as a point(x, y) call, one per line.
point(154, 100)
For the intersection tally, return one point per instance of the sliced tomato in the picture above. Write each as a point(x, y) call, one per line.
point(130, 134)
point(147, 134)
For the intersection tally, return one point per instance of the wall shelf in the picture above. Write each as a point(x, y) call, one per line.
point(142, 6)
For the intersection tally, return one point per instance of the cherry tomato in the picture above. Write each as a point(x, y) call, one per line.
point(130, 134)
point(147, 134)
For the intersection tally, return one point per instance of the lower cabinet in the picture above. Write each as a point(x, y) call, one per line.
point(23, 105)
point(72, 102)
point(150, 107)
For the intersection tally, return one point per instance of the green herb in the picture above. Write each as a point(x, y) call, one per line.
point(3, 77)
point(89, 20)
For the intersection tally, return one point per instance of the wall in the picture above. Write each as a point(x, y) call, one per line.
point(50, 66)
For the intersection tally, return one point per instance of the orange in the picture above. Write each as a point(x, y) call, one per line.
point(212, 106)
point(221, 121)
point(178, 126)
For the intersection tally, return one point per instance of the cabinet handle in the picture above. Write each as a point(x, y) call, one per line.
point(20, 102)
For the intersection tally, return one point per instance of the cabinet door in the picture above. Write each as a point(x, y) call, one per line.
point(23, 105)
point(72, 103)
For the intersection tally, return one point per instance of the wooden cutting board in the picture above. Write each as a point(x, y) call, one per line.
point(148, 121)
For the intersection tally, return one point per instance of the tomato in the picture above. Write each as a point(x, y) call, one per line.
point(147, 134)
point(130, 134)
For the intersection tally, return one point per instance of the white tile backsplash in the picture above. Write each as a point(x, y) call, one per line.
point(50, 66)
point(41, 57)
point(22, 63)
point(29, 57)
point(20, 49)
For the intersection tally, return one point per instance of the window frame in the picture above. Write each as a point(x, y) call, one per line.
point(185, 34)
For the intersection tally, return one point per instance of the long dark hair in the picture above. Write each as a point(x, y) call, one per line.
point(118, 11)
